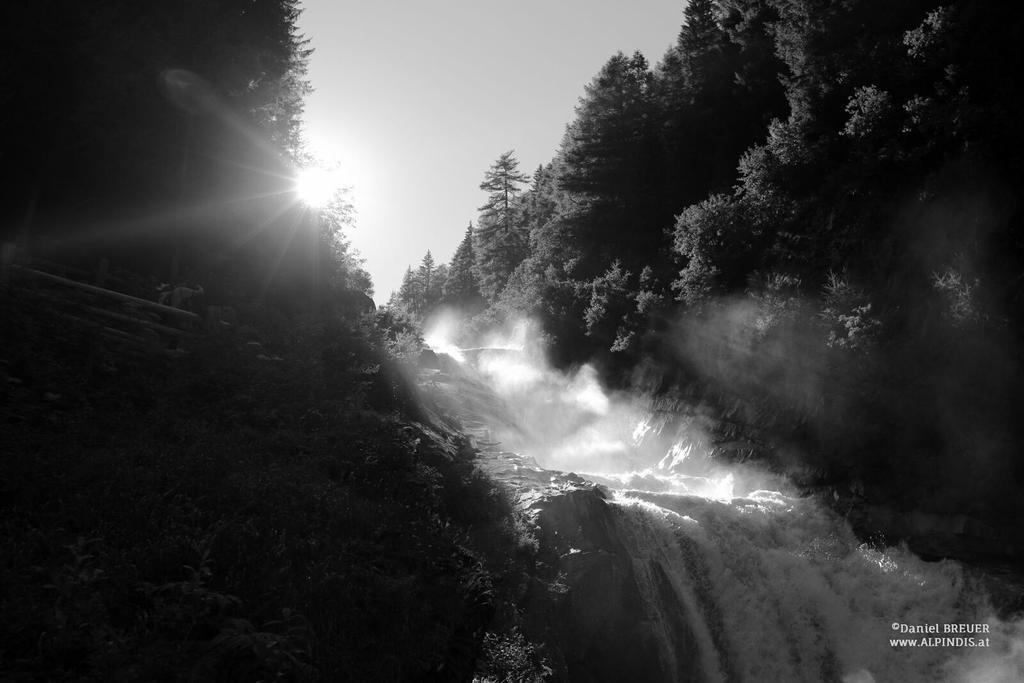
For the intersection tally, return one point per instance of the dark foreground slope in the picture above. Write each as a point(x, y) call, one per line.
point(247, 511)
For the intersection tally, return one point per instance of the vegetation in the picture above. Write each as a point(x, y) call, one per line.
point(806, 210)
point(804, 216)
point(164, 138)
point(268, 501)
point(271, 506)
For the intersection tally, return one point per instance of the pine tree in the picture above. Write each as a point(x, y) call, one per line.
point(421, 289)
point(431, 279)
point(425, 273)
point(611, 171)
point(701, 109)
point(435, 297)
point(501, 244)
point(700, 44)
point(407, 298)
point(461, 288)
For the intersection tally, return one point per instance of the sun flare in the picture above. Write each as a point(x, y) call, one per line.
point(317, 186)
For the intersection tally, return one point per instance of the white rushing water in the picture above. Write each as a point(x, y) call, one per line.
point(786, 593)
point(774, 587)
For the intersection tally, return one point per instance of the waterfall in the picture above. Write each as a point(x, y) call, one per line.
point(713, 573)
point(785, 592)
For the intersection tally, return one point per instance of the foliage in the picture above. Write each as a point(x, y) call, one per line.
point(510, 658)
point(400, 331)
point(803, 214)
point(719, 244)
point(499, 241)
point(848, 316)
point(611, 302)
point(421, 291)
point(171, 132)
point(337, 266)
point(609, 167)
point(461, 288)
point(268, 506)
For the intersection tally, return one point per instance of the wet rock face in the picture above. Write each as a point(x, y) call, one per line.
point(937, 536)
point(596, 612)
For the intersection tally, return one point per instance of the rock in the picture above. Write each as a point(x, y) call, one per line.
point(932, 535)
point(610, 611)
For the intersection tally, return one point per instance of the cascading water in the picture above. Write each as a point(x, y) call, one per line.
point(786, 593)
point(732, 577)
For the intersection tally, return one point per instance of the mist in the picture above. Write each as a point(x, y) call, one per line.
point(783, 563)
point(568, 420)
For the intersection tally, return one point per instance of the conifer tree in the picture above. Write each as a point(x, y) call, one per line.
point(421, 289)
point(609, 168)
point(431, 277)
point(501, 244)
point(409, 295)
point(461, 288)
point(425, 273)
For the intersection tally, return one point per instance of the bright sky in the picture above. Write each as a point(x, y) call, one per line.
point(416, 99)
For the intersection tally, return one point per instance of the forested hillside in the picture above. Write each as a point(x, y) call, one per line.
point(165, 138)
point(260, 496)
point(806, 215)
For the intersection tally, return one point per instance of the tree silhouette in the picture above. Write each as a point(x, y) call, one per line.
point(501, 243)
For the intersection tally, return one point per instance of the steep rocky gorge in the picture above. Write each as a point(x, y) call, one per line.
point(673, 567)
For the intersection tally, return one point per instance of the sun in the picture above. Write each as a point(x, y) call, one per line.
point(317, 186)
